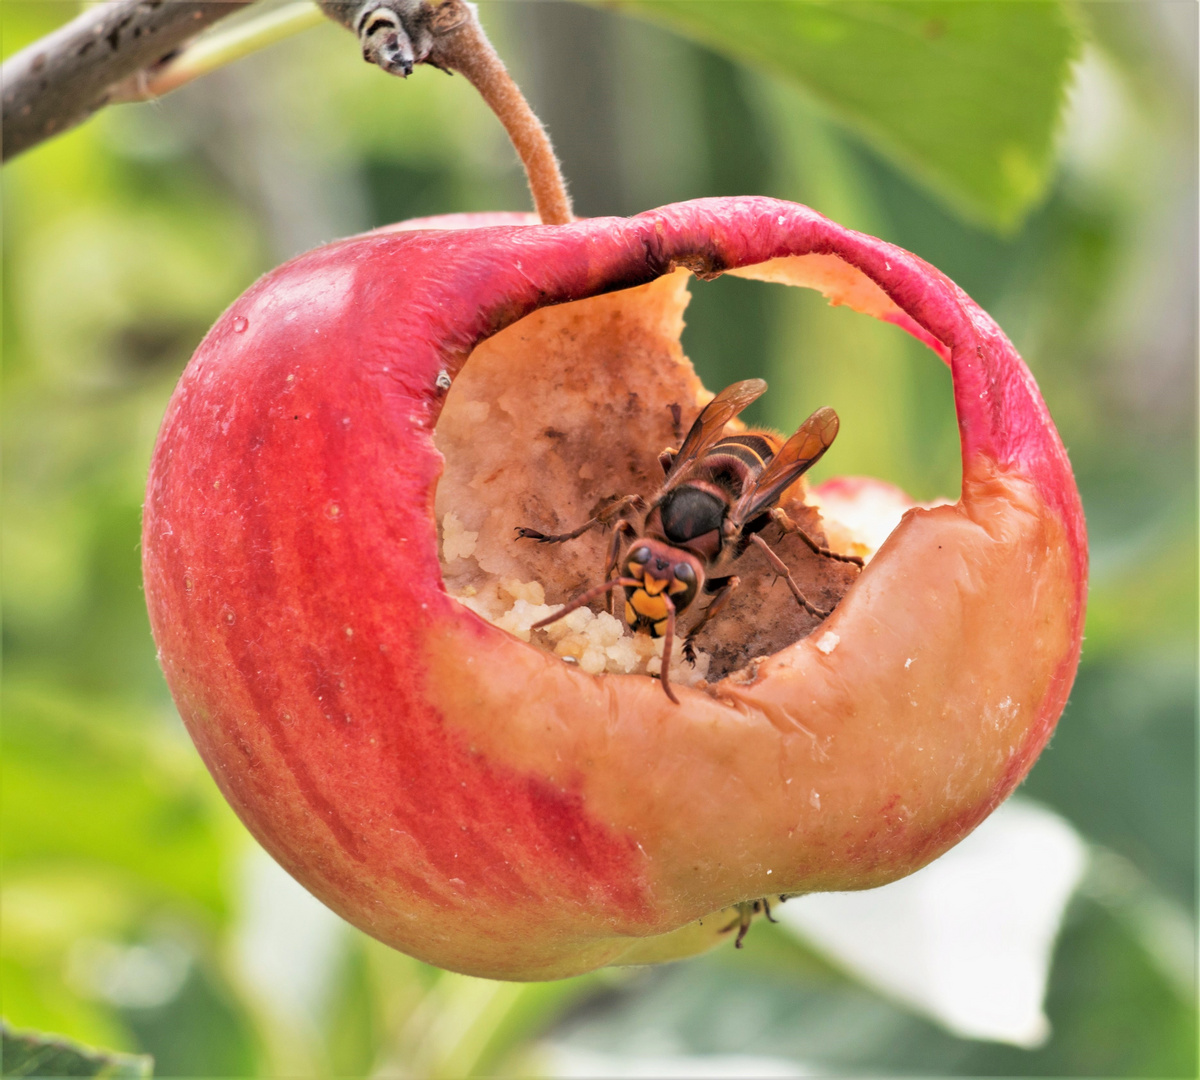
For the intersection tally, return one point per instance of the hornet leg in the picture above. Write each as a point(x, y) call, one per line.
point(714, 608)
point(601, 520)
point(789, 526)
point(668, 644)
point(780, 567)
point(622, 529)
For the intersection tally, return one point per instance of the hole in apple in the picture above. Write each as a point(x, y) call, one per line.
point(551, 419)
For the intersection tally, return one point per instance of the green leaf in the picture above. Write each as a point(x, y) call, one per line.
point(965, 96)
point(26, 1053)
point(85, 784)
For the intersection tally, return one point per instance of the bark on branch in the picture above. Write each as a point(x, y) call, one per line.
point(111, 52)
point(62, 79)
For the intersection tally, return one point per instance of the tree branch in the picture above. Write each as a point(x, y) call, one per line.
point(62, 79)
point(215, 49)
point(131, 50)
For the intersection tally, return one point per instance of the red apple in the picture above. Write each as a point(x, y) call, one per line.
point(468, 797)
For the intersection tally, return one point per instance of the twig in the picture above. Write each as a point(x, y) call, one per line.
point(216, 49)
point(397, 34)
point(62, 79)
point(130, 50)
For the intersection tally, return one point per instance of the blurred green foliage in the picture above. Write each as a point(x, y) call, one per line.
point(28, 1054)
point(966, 96)
point(129, 890)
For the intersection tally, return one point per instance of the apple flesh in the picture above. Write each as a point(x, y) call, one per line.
point(468, 797)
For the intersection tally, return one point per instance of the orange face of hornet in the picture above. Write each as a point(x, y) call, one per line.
point(664, 573)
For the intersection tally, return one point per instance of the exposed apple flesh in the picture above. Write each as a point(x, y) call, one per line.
point(472, 799)
point(571, 407)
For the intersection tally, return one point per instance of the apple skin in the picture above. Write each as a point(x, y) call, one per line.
point(472, 800)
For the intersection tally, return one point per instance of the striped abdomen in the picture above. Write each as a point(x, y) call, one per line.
point(737, 460)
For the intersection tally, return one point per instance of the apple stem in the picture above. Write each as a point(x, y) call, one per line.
point(397, 34)
point(466, 49)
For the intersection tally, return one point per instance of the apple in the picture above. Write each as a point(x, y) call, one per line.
point(333, 501)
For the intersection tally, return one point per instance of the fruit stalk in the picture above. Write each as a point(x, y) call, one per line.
point(398, 34)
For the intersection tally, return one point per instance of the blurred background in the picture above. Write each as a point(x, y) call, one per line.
point(137, 913)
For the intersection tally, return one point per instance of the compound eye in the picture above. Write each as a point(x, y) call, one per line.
point(686, 573)
point(640, 555)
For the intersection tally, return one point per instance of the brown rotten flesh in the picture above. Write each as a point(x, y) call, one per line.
point(338, 483)
point(524, 447)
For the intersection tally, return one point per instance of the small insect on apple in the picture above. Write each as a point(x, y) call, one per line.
point(719, 492)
